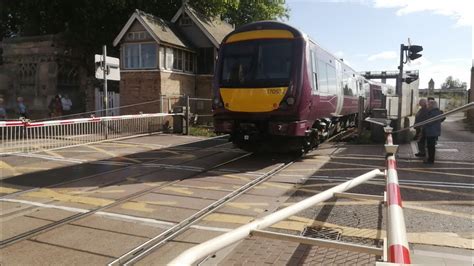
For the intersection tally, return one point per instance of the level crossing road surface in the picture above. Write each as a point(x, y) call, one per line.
point(135, 189)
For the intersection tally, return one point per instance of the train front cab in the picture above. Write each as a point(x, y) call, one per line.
point(257, 92)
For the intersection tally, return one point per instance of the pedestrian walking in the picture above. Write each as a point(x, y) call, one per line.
point(21, 108)
point(432, 131)
point(420, 137)
point(66, 104)
point(55, 107)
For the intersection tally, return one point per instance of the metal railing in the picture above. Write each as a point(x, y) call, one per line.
point(202, 250)
point(24, 136)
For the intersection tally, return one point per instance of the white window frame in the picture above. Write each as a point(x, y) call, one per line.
point(139, 56)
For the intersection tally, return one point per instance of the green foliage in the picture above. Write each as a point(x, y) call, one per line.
point(364, 138)
point(89, 24)
point(201, 131)
point(92, 23)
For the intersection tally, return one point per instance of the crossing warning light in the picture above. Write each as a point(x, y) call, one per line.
point(413, 51)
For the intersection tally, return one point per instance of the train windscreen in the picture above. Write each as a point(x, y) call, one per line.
point(261, 63)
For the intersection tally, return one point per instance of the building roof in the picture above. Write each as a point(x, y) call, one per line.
point(214, 28)
point(162, 31)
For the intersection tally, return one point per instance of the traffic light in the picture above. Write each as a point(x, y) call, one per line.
point(413, 51)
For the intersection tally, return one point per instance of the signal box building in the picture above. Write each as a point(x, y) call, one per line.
point(168, 58)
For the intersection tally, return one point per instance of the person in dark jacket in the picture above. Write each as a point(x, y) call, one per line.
point(55, 107)
point(432, 130)
point(421, 116)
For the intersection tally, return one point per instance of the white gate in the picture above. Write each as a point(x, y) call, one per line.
point(114, 103)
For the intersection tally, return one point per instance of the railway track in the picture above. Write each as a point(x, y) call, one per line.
point(126, 166)
point(146, 248)
point(158, 241)
point(81, 215)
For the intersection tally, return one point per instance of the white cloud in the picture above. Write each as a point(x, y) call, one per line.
point(339, 54)
point(460, 10)
point(383, 55)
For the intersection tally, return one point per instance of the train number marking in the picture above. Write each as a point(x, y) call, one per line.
point(274, 91)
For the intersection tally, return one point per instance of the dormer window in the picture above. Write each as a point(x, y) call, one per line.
point(137, 36)
point(185, 20)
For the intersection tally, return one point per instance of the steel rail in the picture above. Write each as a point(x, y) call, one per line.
point(200, 251)
point(78, 216)
point(143, 250)
point(127, 165)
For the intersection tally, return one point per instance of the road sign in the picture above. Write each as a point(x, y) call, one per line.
point(113, 67)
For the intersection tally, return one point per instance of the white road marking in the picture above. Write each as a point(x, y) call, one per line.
point(71, 209)
point(116, 215)
point(447, 150)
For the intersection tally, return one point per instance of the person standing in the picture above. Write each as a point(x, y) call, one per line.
point(66, 104)
point(21, 108)
point(3, 112)
point(420, 136)
point(55, 107)
point(432, 130)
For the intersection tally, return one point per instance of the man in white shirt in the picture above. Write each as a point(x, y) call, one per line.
point(67, 104)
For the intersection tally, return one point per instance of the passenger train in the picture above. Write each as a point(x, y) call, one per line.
point(276, 88)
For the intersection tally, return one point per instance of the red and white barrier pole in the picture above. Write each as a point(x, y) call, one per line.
point(398, 249)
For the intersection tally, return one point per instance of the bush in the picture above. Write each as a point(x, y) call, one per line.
point(202, 131)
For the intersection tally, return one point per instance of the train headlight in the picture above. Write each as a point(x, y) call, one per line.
point(290, 100)
point(217, 102)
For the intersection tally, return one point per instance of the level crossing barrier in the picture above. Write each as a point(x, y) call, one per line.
point(398, 249)
point(395, 248)
point(389, 251)
point(24, 136)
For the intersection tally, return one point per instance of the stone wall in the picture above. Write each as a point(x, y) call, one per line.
point(37, 68)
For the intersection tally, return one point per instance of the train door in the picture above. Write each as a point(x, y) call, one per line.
point(313, 72)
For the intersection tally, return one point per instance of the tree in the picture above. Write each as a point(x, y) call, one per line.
point(450, 82)
point(240, 12)
point(89, 24)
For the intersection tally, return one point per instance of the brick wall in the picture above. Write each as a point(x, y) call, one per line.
point(139, 87)
point(204, 86)
point(173, 83)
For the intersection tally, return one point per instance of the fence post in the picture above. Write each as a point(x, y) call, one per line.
point(187, 114)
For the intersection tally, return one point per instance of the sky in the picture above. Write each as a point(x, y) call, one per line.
point(367, 33)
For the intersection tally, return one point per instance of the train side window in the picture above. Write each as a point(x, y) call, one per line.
point(377, 94)
point(323, 79)
point(314, 71)
point(331, 79)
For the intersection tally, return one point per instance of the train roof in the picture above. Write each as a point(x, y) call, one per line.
point(297, 33)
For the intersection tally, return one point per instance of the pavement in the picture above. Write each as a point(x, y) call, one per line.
point(438, 206)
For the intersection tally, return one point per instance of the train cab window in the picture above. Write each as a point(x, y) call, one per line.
point(265, 63)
